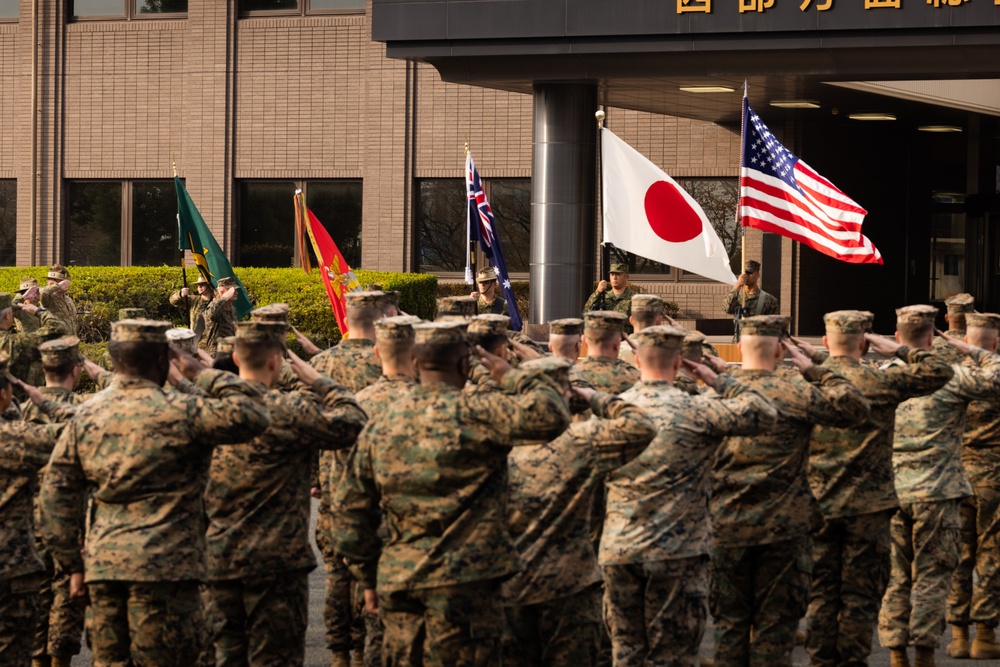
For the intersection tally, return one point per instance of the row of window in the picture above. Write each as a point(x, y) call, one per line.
point(135, 9)
point(134, 222)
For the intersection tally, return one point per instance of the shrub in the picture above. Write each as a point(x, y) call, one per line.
point(100, 291)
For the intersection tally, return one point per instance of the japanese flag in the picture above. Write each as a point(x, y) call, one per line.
point(648, 214)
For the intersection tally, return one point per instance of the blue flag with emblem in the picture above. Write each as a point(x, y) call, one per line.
point(483, 228)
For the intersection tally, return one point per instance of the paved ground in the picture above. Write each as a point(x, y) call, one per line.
point(318, 656)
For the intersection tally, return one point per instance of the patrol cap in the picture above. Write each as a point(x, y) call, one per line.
point(846, 321)
point(753, 266)
point(139, 331)
point(131, 313)
point(465, 306)
point(983, 320)
point(869, 319)
point(568, 326)
point(552, 365)
point(228, 281)
point(26, 284)
point(486, 274)
point(665, 336)
point(618, 267)
point(61, 350)
point(461, 322)
point(370, 299)
point(261, 332)
point(919, 314)
point(611, 320)
point(489, 324)
point(439, 333)
point(275, 312)
point(647, 303)
point(960, 303)
point(694, 342)
point(399, 327)
point(763, 325)
point(184, 338)
point(57, 272)
point(49, 332)
point(6, 300)
point(225, 345)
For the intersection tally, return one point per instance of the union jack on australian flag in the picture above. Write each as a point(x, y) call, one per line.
point(483, 228)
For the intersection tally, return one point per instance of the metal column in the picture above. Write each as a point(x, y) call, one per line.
point(563, 199)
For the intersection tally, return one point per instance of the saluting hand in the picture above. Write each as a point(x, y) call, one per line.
point(882, 345)
point(804, 346)
point(956, 343)
point(497, 366)
point(306, 372)
point(32, 392)
point(308, 346)
point(186, 364)
point(524, 351)
point(701, 371)
point(799, 360)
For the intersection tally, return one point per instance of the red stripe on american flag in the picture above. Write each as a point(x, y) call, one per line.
point(821, 224)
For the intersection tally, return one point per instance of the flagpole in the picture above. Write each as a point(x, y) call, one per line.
point(184, 275)
point(600, 115)
point(470, 245)
point(743, 230)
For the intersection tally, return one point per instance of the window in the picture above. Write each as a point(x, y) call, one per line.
point(267, 219)
point(441, 223)
point(9, 10)
point(8, 222)
point(126, 9)
point(265, 7)
point(101, 216)
point(718, 197)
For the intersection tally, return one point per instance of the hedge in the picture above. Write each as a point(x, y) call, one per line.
point(100, 291)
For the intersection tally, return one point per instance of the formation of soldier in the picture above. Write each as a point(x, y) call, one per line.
point(486, 500)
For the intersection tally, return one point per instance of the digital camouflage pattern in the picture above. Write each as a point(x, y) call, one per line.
point(946, 351)
point(551, 489)
point(22, 348)
point(605, 374)
point(850, 473)
point(18, 609)
point(498, 306)
point(608, 300)
point(125, 447)
point(61, 309)
point(925, 546)
point(444, 508)
point(194, 306)
point(566, 631)
point(749, 301)
point(220, 322)
point(672, 597)
point(23, 320)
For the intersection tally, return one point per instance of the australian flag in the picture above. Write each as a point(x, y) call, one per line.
point(483, 228)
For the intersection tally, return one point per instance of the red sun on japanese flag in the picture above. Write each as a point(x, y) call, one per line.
point(669, 214)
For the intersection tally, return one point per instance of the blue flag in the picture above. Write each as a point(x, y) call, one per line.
point(483, 228)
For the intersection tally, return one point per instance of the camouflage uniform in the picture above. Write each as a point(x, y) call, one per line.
point(850, 472)
point(351, 364)
point(194, 306)
point(754, 303)
point(552, 605)
point(24, 321)
point(654, 551)
point(144, 453)
point(947, 351)
point(24, 450)
point(604, 374)
point(763, 511)
point(930, 483)
point(608, 300)
point(257, 505)
point(433, 468)
point(61, 308)
point(498, 306)
point(60, 621)
point(220, 322)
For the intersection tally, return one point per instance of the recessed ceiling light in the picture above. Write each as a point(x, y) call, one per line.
point(872, 116)
point(939, 128)
point(795, 104)
point(707, 89)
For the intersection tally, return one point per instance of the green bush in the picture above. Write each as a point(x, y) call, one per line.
point(100, 291)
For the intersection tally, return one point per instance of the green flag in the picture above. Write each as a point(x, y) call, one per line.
point(193, 235)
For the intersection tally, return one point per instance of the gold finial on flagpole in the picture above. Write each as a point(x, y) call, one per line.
point(600, 116)
point(466, 147)
point(174, 165)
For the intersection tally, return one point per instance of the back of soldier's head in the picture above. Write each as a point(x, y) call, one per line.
point(139, 348)
point(363, 309)
point(441, 346)
point(760, 338)
point(258, 343)
point(565, 336)
point(603, 327)
point(658, 347)
point(647, 311)
point(489, 331)
point(914, 324)
point(60, 357)
point(394, 338)
point(983, 330)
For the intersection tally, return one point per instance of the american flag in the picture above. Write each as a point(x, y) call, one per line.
point(780, 193)
point(483, 228)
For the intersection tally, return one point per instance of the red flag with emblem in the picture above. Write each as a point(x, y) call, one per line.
point(337, 275)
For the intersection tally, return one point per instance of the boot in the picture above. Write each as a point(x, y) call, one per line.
point(44, 661)
point(959, 646)
point(985, 646)
point(925, 657)
point(358, 658)
point(62, 661)
point(898, 657)
point(340, 659)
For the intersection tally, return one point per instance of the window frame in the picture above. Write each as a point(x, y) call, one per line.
point(12, 19)
point(304, 9)
point(130, 14)
point(14, 245)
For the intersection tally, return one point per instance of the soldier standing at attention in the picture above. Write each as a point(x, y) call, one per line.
point(620, 297)
point(850, 472)
point(257, 505)
point(566, 338)
point(220, 314)
point(24, 450)
point(194, 305)
point(602, 369)
point(435, 463)
point(487, 298)
point(930, 484)
point(141, 455)
point(55, 299)
point(761, 506)
point(353, 365)
point(27, 293)
point(958, 307)
point(655, 546)
point(747, 298)
point(977, 599)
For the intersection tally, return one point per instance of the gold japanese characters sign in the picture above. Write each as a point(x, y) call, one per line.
point(706, 6)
